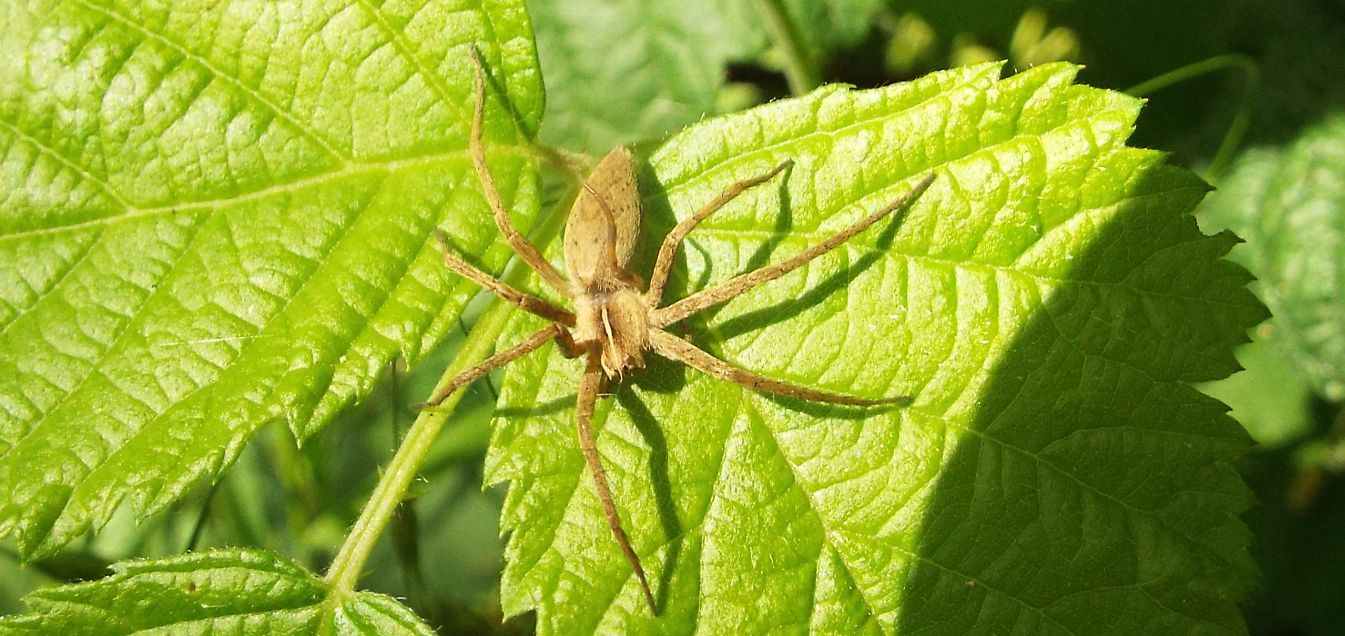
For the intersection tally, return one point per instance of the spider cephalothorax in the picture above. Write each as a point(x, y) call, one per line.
point(616, 320)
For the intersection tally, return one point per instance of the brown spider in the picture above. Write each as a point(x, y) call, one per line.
point(614, 322)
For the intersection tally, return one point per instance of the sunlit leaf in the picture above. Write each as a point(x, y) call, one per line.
point(215, 216)
point(1048, 303)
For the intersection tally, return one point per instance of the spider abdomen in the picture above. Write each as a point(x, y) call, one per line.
point(604, 223)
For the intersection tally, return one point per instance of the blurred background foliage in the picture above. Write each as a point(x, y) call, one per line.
point(1249, 94)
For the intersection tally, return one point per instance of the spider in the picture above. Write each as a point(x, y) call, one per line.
point(616, 319)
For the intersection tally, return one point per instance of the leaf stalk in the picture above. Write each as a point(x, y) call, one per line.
point(800, 67)
point(1237, 128)
point(348, 565)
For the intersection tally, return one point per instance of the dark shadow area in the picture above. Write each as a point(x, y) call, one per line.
point(660, 375)
point(496, 90)
point(701, 282)
point(1093, 491)
point(549, 407)
point(659, 220)
point(659, 481)
point(832, 284)
point(656, 220)
point(1298, 545)
point(771, 82)
point(784, 222)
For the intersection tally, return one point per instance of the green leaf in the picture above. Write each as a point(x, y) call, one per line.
point(643, 69)
point(1048, 303)
point(1289, 205)
point(216, 215)
point(822, 26)
point(617, 75)
point(217, 592)
point(1269, 397)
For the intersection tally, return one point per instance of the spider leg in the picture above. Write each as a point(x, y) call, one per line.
point(527, 302)
point(741, 283)
point(668, 250)
point(605, 387)
point(588, 395)
point(672, 347)
point(568, 347)
point(521, 245)
point(528, 345)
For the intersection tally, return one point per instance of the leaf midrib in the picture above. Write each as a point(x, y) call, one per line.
point(213, 207)
point(350, 170)
point(78, 490)
point(346, 165)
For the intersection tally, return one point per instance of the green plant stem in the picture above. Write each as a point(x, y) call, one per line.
point(198, 529)
point(296, 475)
point(1237, 128)
point(348, 566)
point(800, 68)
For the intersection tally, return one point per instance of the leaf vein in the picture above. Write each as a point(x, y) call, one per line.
point(829, 531)
point(1045, 280)
point(149, 493)
point(349, 170)
point(820, 131)
point(97, 361)
point(65, 273)
point(404, 46)
point(283, 114)
point(82, 171)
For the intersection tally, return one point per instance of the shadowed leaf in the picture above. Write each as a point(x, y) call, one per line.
point(1289, 204)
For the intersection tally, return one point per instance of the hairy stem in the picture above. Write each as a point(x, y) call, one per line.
point(800, 67)
point(1241, 119)
point(348, 566)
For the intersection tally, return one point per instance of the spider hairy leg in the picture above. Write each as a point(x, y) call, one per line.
point(520, 243)
point(675, 348)
point(528, 345)
point(737, 285)
point(666, 252)
point(609, 313)
point(588, 396)
point(525, 301)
